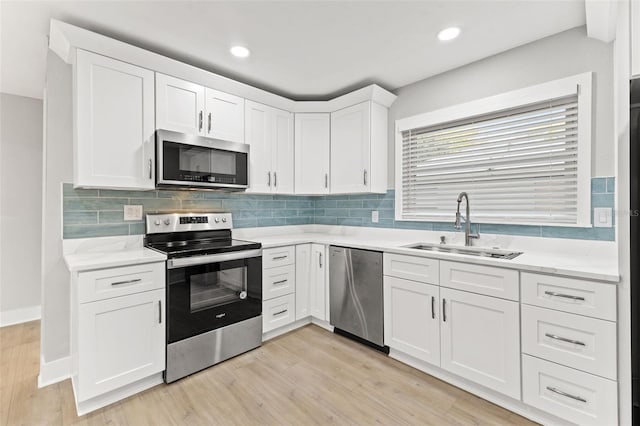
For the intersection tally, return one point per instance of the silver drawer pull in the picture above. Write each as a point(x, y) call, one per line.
point(280, 257)
point(568, 395)
point(564, 339)
point(566, 296)
point(279, 282)
point(127, 281)
point(280, 312)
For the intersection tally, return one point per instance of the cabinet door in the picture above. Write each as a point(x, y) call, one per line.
point(114, 140)
point(225, 116)
point(318, 290)
point(179, 105)
point(282, 156)
point(120, 340)
point(258, 134)
point(303, 280)
point(412, 318)
point(480, 340)
point(312, 153)
point(350, 149)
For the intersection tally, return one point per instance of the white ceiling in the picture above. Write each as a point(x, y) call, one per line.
point(300, 49)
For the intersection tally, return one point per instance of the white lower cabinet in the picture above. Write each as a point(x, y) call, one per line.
point(303, 280)
point(121, 340)
point(412, 318)
point(480, 340)
point(318, 283)
point(278, 312)
point(570, 394)
point(278, 281)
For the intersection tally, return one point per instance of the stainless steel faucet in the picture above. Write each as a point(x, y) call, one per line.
point(467, 221)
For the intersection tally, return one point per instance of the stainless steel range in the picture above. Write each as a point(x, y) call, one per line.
point(214, 290)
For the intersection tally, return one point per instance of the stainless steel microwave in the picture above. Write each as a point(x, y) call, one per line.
point(198, 162)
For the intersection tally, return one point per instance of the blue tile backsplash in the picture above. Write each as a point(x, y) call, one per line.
point(98, 212)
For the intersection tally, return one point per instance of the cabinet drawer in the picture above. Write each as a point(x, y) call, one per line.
point(278, 281)
point(487, 280)
point(113, 282)
point(412, 268)
point(584, 343)
point(278, 256)
point(570, 394)
point(588, 298)
point(278, 312)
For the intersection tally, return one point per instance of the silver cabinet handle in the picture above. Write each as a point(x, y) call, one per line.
point(326, 180)
point(279, 282)
point(433, 307)
point(279, 257)
point(127, 282)
point(209, 125)
point(565, 296)
point(568, 395)
point(269, 178)
point(320, 259)
point(159, 311)
point(444, 310)
point(200, 121)
point(284, 311)
point(150, 169)
point(275, 179)
point(564, 339)
point(365, 176)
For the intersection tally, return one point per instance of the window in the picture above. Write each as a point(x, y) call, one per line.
point(523, 157)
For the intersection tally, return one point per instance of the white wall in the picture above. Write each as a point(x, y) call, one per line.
point(561, 55)
point(20, 208)
point(58, 154)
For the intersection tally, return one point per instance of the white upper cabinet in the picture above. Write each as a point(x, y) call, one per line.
point(225, 116)
point(114, 129)
point(269, 132)
point(635, 39)
point(190, 108)
point(359, 149)
point(179, 105)
point(312, 136)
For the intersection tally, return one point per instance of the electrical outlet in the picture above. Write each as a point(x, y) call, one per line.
point(374, 216)
point(602, 217)
point(132, 212)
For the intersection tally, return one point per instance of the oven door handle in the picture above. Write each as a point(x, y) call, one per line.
point(182, 262)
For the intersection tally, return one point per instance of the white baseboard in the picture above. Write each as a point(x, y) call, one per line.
point(54, 371)
point(285, 329)
point(18, 316)
point(322, 324)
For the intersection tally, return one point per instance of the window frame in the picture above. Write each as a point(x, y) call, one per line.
point(582, 84)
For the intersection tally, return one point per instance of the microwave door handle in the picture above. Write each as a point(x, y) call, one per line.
point(183, 262)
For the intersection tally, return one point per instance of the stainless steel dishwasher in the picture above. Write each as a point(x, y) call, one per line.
point(355, 294)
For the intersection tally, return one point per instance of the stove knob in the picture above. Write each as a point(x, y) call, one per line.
point(224, 220)
point(167, 222)
point(216, 220)
point(157, 222)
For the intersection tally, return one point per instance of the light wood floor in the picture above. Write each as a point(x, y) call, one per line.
point(309, 376)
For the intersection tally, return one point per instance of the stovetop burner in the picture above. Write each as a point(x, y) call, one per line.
point(193, 234)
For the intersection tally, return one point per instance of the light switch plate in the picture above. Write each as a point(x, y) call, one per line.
point(132, 212)
point(602, 217)
point(374, 216)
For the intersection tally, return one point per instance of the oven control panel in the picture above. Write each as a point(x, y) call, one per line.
point(177, 222)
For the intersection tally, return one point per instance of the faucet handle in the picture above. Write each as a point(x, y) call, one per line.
point(442, 239)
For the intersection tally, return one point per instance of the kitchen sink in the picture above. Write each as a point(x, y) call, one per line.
point(471, 251)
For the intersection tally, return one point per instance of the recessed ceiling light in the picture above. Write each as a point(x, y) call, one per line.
point(449, 33)
point(240, 51)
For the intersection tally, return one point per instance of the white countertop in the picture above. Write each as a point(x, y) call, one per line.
point(578, 258)
point(108, 252)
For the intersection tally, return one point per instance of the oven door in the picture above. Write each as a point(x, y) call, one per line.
point(204, 294)
point(196, 161)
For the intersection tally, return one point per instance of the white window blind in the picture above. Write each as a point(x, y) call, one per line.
point(518, 165)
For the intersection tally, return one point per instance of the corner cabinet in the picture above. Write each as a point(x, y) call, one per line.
point(113, 144)
point(359, 149)
point(312, 144)
point(189, 108)
point(311, 282)
point(269, 133)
